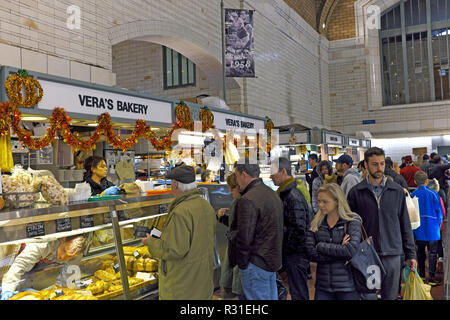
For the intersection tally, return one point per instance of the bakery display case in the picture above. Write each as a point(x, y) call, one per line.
point(85, 250)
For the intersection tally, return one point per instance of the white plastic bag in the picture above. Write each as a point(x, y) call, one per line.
point(413, 210)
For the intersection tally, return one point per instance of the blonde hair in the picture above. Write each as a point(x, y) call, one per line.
point(231, 180)
point(344, 212)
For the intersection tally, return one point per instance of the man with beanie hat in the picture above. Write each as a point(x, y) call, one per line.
point(185, 248)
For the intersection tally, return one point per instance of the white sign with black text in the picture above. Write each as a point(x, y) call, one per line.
point(92, 101)
point(225, 121)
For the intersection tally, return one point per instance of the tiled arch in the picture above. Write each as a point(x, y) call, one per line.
point(190, 43)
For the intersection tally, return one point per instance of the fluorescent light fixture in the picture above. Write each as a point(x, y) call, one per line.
point(92, 124)
point(33, 118)
point(251, 138)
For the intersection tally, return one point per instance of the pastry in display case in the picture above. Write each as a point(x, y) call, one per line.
point(98, 258)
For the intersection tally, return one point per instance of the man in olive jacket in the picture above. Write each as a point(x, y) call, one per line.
point(256, 235)
point(186, 247)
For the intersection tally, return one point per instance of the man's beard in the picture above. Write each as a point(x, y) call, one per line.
point(376, 172)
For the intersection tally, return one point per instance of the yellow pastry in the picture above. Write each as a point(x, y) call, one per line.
point(105, 276)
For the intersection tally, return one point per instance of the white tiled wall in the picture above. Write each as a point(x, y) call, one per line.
point(292, 78)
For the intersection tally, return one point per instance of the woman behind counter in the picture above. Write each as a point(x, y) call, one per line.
point(95, 175)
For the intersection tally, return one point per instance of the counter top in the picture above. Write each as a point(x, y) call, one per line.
point(43, 208)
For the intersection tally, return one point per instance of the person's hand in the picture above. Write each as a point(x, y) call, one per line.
point(412, 263)
point(221, 212)
point(111, 191)
point(346, 239)
point(8, 294)
point(145, 240)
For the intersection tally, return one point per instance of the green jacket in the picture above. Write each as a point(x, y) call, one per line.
point(186, 249)
point(304, 190)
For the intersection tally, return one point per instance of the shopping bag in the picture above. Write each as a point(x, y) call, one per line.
point(413, 210)
point(366, 266)
point(413, 287)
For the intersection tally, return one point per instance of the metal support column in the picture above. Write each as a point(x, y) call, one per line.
point(119, 252)
point(430, 52)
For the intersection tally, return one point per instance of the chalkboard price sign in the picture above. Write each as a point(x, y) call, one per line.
point(63, 225)
point(35, 229)
point(87, 221)
point(163, 208)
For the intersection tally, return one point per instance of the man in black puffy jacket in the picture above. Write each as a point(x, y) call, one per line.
point(382, 206)
point(296, 220)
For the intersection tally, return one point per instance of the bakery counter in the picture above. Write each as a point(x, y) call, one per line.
point(112, 263)
point(46, 219)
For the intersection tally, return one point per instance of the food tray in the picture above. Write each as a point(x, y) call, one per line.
point(162, 191)
point(16, 203)
point(116, 293)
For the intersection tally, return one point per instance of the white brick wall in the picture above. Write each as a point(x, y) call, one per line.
point(291, 84)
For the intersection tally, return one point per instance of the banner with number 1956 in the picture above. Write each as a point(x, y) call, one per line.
point(239, 49)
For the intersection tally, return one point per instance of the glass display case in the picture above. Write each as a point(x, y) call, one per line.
point(80, 251)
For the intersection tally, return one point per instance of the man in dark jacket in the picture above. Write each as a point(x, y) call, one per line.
point(382, 206)
point(256, 234)
point(296, 218)
point(438, 171)
point(388, 171)
point(313, 160)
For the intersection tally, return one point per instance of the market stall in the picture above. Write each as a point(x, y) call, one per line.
point(140, 138)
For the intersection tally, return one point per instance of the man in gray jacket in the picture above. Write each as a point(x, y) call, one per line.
point(351, 176)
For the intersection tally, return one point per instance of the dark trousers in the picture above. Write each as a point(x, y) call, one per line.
point(432, 247)
point(296, 266)
point(391, 282)
point(325, 295)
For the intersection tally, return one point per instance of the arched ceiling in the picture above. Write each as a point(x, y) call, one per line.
point(316, 12)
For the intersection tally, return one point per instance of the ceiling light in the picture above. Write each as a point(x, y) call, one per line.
point(33, 118)
point(92, 124)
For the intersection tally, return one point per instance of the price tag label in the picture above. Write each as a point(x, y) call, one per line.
point(145, 276)
point(63, 225)
point(87, 221)
point(163, 208)
point(35, 229)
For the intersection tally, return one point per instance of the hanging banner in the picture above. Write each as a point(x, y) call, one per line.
point(239, 43)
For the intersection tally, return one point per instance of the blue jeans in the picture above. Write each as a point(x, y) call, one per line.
point(259, 284)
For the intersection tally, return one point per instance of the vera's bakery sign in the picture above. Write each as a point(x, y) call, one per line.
point(93, 101)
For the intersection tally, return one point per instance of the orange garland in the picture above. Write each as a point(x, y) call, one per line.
point(10, 116)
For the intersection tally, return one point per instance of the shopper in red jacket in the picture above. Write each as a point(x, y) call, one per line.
point(409, 171)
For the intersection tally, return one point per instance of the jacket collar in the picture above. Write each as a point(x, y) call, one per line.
point(287, 185)
point(186, 195)
point(365, 185)
point(251, 185)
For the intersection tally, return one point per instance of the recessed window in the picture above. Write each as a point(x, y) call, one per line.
point(414, 51)
point(179, 71)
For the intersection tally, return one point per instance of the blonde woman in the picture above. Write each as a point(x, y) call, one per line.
point(332, 240)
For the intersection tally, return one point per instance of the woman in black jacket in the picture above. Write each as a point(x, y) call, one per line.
point(332, 241)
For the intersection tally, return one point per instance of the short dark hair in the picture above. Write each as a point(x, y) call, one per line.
point(284, 163)
point(432, 155)
point(420, 177)
point(374, 151)
point(313, 156)
point(251, 169)
point(425, 157)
